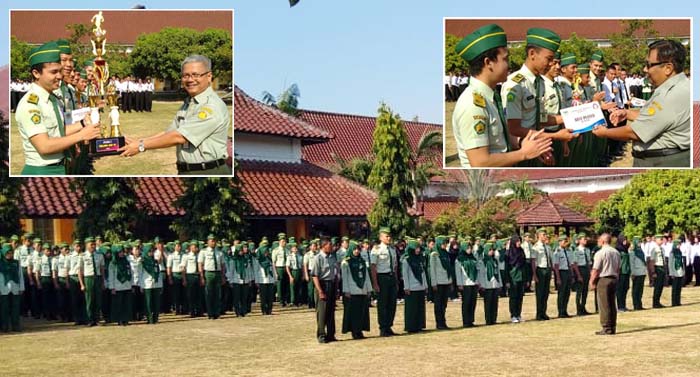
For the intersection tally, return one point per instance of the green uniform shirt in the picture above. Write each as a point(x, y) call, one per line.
point(35, 115)
point(384, 257)
point(581, 256)
point(520, 98)
point(542, 255)
point(563, 258)
point(205, 122)
point(476, 122)
point(551, 101)
point(657, 255)
point(279, 256)
point(566, 92)
point(664, 121)
point(210, 259)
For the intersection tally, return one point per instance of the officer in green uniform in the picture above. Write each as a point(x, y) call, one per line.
point(279, 260)
point(11, 288)
point(43, 272)
point(582, 256)
point(660, 130)
point(293, 271)
point(657, 270)
point(638, 268)
point(524, 92)
point(383, 265)
point(542, 273)
point(478, 122)
point(65, 94)
point(176, 277)
point(191, 281)
point(91, 272)
point(200, 129)
point(211, 272)
point(565, 270)
point(45, 136)
point(623, 281)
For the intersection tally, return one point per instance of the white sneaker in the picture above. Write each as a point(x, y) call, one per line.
point(514, 320)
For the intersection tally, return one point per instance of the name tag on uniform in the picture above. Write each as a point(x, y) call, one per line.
point(531, 96)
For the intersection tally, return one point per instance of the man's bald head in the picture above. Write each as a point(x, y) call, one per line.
point(604, 239)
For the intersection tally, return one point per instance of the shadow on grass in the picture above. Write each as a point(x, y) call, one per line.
point(658, 328)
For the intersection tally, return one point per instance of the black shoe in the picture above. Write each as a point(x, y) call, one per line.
point(659, 306)
point(622, 310)
point(384, 334)
point(546, 317)
point(604, 332)
point(322, 340)
point(331, 339)
point(390, 331)
point(468, 325)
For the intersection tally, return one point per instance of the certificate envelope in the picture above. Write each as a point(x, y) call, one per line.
point(583, 118)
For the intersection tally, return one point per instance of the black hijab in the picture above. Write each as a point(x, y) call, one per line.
point(515, 254)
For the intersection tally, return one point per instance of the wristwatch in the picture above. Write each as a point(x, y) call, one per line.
point(142, 147)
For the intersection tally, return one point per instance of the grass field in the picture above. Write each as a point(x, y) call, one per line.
point(649, 342)
point(135, 125)
point(452, 159)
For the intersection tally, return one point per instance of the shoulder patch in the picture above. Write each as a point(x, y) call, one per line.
point(202, 115)
point(518, 78)
point(479, 128)
point(651, 111)
point(511, 96)
point(36, 118)
point(479, 100)
point(658, 106)
point(33, 98)
point(480, 117)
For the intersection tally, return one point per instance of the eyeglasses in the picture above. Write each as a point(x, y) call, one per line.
point(649, 65)
point(195, 76)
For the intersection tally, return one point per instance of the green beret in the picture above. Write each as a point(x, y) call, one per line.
point(563, 237)
point(541, 230)
point(583, 69)
point(366, 240)
point(210, 237)
point(14, 237)
point(385, 229)
point(98, 238)
point(659, 236)
point(46, 53)
point(36, 240)
point(63, 244)
point(263, 243)
point(89, 239)
point(292, 244)
point(156, 239)
point(63, 46)
point(28, 235)
point(46, 245)
point(568, 59)
point(88, 63)
point(581, 235)
point(76, 241)
point(281, 236)
point(543, 38)
point(598, 56)
point(481, 40)
point(527, 234)
point(292, 239)
point(557, 55)
point(345, 238)
point(176, 242)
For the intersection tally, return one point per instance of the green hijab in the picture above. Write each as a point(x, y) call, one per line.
point(358, 268)
point(415, 262)
point(490, 262)
point(677, 256)
point(8, 268)
point(468, 261)
point(149, 263)
point(265, 261)
point(240, 262)
point(638, 250)
point(122, 264)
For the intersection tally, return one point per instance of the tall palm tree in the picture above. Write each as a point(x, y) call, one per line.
point(481, 186)
point(287, 102)
point(356, 169)
point(422, 164)
point(521, 191)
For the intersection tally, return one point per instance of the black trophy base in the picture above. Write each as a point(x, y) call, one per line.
point(107, 146)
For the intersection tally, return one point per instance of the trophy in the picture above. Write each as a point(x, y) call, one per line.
point(101, 91)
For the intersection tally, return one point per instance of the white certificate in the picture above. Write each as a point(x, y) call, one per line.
point(583, 118)
point(78, 114)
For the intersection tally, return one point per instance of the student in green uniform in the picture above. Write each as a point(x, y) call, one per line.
point(200, 129)
point(582, 256)
point(441, 280)
point(32, 259)
point(11, 288)
point(415, 284)
point(119, 284)
point(241, 273)
point(566, 271)
point(657, 272)
point(176, 277)
point(293, 269)
point(151, 283)
point(45, 137)
point(279, 260)
point(191, 282)
point(308, 267)
point(517, 265)
point(21, 254)
point(638, 268)
point(60, 270)
point(490, 282)
point(356, 289)
point(478, 122)
point(384, 267)
point(623, 280)
point(265, 277)
point(211, 272)
point(542, 273)
point(676, 270)
point(91, 272)
point(43, 275)
point(467, 276)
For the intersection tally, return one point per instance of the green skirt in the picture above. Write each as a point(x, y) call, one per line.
point(414, 311)
point(43, 170)
point(355, 314)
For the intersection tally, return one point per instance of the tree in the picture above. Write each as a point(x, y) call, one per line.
point(212, 205)
point(581, 47)
point(653, 202)
point(454, 62)
point(492, 217)
point(480, 186)
point(421, 163)
point(19, 60)
point(109, 207)
point(390, 177)
point(160, 54)
point(356, 169)
point(576, 203)
point(521, 191)
point(287, 101)
point(629, 48)
point(9, 187)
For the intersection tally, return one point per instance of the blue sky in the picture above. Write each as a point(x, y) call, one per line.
point(347, 56)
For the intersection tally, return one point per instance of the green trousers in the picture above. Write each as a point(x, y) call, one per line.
point(515, 301)
point(325, 311)
point(295, 287)
point(240, 298)
point(676, 286)
point(90, 299)
point(440, 297)
point(194, 295)
point(355, 314)
point(564, 293)
point(267, 297)
point(678, 160)
point(469, 296)
point(177, 293)
point(48, 297)
point(121, 306)
point(311, 293)
point(544, 276)
point(151, 300)
point(77, 299)
point(282, 285)
point(582, 290)
point(9, 312)
point(213, 293)
point(491, 305)
point(414, 311)
point(637, 291)
point(623, 285)
point(386, 301)
point(659, 285)
point(605, 292)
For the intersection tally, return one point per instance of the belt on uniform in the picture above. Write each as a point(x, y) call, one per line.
point(386, 273)
point(657, 152)
point(60, 163)
point(183, 166)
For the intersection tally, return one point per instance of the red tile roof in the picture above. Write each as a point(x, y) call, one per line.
point(123, 26)
point(589, 198)
point(547, 174)
point(590, 29)
point(252, 116)
point(432, 208)
point(353, 139)
point(304, 189)
point(549, 213)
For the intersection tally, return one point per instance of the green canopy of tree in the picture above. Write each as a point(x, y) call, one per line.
point(653, 202)
point(19, 60)
point(160, 54)
point(287, 101)
point(521, 191)
point(390, 177)
point(454, 62)
point(9, 187)
point(212, 205)
point(469, 219)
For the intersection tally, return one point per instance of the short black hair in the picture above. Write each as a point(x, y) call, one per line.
point(670, 51)
point(39, 67)
point(614, 65)
point(611, 67)
point(477, 64)
point(531, 47)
